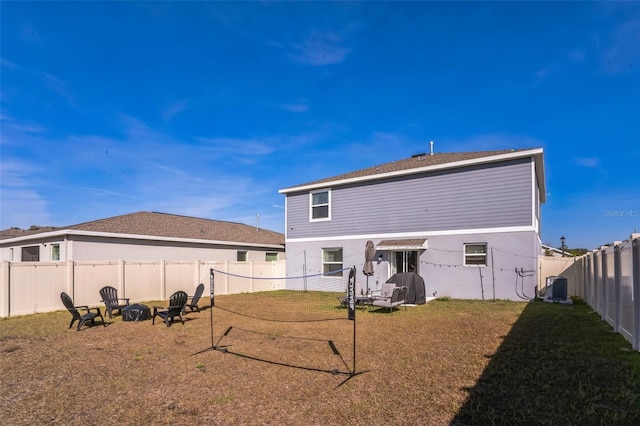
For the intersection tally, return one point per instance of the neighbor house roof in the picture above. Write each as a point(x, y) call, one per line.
point(152, 225)
point(428, 162)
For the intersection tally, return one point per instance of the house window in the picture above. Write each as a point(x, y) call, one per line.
point(31, 254)
point(475, 254)
point(242, 256)
point(320, 205)
point(271, 257)
point(55, 252)
point(405, 261)
point(331, 261)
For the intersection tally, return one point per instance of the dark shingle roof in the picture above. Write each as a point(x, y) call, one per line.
point(411, 242)
point(17, 232)
point(175, 226)
point(415, 162)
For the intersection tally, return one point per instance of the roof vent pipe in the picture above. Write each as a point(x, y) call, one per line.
point(431, 145)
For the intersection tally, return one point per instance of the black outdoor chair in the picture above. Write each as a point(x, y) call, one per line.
point(77, 316)
point(192, 301)
point(111, 301)
point(177, 302)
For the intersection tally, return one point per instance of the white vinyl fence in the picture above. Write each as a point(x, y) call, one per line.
point(608, 280)
point(33, 287)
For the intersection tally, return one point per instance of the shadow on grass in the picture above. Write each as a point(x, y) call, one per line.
point(228, 349)
point(559, 364)
point(171, 323)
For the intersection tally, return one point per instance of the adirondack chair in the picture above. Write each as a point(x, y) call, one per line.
point(76, 314)
point(177, 301)
point(192, 301)
point(112, 301)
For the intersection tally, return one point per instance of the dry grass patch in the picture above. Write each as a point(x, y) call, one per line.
point(462, 362)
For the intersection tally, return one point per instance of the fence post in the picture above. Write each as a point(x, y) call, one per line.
point(635, 261)
point(5, 304)
point(587, 278)
point(71, 278)
point(617, 283)
point(603, 281)
point(197, 272)
point(575, 266)
point(226, 277)
point(251, 275)
point(121, 277)
point(596, 292)
point(163, 280)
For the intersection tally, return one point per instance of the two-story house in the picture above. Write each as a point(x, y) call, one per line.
point(468, 223)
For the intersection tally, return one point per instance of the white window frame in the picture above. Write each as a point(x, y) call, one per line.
point(474, 255)
point(326, 263)
point(55, 249)
point(312, 206)
point(242, 256)
point(271, 254)
point(405, 261)
point(24, 250)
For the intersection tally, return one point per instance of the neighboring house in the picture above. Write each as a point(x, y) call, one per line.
point(468, 223)
point(547, 250)
point(143, 236)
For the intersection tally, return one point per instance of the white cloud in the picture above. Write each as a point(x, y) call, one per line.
point(319, 49)
point(622, 52)
point(11, 126)
point(388, 138)
point(298, 107)
point(5, 63)
point(576, 56)
point(88, 177)
point(256, 146)
point(563, 65)
point(171, 111)
point(22, 209)
point(587, 162)
point(57, 86)
point(236, 146)
point(21, 203)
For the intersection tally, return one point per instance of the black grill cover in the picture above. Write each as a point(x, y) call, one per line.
point(416, 293)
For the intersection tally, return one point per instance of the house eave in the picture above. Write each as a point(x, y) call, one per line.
point(537, 153)
point(68, 232)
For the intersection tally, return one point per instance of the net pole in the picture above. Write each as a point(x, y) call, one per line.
point(351, 299)
point(211, 288)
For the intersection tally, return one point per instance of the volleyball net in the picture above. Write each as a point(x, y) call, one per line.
point(288, 321)
point(317, 297)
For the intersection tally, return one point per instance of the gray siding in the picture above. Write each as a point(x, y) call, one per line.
point(486, 196)
point(441, 265)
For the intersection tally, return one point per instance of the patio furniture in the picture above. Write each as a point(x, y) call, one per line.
point(136, 312)
point(390, 297)
point(112, 301)
point(344, 301)
point(177, 301)
point(362, 301)
point(76, 314)
point(193, 303)
point(416, 290)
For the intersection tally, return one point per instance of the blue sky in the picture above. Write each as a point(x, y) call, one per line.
point(207, 109)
